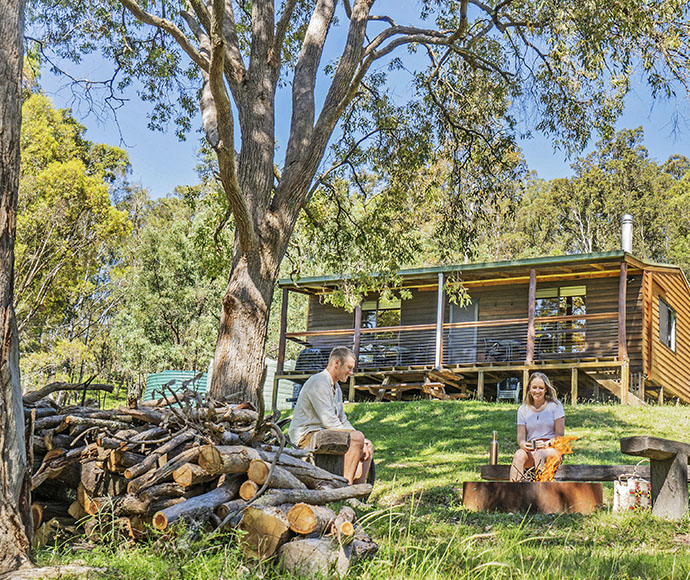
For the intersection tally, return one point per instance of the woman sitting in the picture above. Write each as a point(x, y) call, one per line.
point(540, 419)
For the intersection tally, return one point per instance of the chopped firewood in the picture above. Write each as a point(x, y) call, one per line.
point(191, 474)
point(343, 525)
point(310, 519)
point(313, 496)
point(248, 490)
point(35, 396)
point(76, 511)
point(315, 558)
point(199, 507)
point(162, 473)
point(266, 530)
point(119, 460)
point(280, 478)
point(162, 490)
point(150, 461)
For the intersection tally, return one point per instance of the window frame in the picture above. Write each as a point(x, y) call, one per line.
point(670, 323)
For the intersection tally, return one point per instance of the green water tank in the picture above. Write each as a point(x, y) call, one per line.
point(155, 382)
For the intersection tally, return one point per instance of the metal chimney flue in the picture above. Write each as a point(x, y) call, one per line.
point(627, 233)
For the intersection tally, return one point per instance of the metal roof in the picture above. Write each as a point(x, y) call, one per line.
point(476, 268)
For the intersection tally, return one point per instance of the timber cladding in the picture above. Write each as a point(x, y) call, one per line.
point(664, 366)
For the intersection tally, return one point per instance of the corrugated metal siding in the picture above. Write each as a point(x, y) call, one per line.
point(669, 369)
point(155, 382)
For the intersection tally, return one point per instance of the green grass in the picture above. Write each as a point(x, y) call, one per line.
point(424, 451)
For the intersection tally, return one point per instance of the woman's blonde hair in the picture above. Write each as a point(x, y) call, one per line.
point(549, 395)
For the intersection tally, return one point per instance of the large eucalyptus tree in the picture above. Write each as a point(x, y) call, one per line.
point(15, 513)
point(568, 64)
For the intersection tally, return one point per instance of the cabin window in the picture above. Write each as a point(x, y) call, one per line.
point(380, 313)
point(561, 336)
point(667, 324)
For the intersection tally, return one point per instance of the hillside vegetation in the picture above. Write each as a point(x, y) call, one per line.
point(424, 451)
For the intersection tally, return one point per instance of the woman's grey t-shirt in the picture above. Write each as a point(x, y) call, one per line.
point(541, 424)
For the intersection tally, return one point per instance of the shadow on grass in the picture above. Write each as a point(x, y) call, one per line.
point(435, 445)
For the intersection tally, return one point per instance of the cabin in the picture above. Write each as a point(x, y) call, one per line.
point(602, 326)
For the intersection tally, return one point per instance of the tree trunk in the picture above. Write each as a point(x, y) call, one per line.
point(15, 503)
point(238, 369)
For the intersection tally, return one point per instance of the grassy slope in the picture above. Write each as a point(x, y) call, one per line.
point(424, 452)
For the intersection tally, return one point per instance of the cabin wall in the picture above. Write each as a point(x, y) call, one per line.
point(665, 367)
point(504, 302)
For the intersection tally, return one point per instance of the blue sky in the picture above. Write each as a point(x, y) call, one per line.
point(160, 161)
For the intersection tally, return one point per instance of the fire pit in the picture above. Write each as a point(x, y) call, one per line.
point(541, 496)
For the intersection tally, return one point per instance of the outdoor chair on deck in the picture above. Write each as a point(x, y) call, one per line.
point(508, 389)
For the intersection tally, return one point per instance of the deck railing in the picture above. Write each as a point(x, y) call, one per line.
point(471, 343)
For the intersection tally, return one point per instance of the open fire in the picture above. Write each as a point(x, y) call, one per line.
point(562, 447)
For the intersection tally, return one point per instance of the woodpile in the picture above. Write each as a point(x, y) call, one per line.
point(206, 463)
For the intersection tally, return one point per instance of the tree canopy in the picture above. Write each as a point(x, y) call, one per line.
point(567, 65)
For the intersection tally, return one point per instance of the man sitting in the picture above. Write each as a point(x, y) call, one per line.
point(320, 406)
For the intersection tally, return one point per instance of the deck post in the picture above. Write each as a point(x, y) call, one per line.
point(573, 386)
point(280, 363)
point(438, 359)
point(660, 400)
point(622, 297)
point(358, 333)
point(351, 394)
point(531, 312)
point(525, 380)
point(625, 381)
point(480, 385)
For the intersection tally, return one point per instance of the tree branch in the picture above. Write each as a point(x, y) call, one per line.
point(170, 28)
point(224, 135)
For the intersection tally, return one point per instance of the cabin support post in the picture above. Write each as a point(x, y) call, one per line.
point(531, 312)
point(622, 335)
point(351, 393)
point(438, 360)
point(573, 386)
point(480, 385)
point(358, 333)
point(625, 381)
point(640, 386)
point(660, 400)
point(280, 363)
point(525, 380)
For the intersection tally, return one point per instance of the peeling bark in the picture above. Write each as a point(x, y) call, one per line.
point(15, 505)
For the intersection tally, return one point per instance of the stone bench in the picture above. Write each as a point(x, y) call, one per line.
point(668, 472)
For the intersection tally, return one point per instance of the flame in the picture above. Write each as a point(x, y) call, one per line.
point(562, 447)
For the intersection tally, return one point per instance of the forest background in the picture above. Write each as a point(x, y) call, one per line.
point(113, 283)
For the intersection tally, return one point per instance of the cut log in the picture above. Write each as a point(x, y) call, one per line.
point(151, 460)
point(119, 460)
point(231, 508)
point(144, 414)
point(34, 396)
point(137, 526)
point(236, 459)
point(280, 479)
point(331, 442)
point(162, 490)
point(313, 496)
point(310, 519)
point(226, 459)
point(248, 489)
point(76, 510)
point(191, 474)
point(343, 526)
point(201, 506)
point(159, 475)
point(266, 530)
point(132, 504)
point(62, 571)
point(315, 558)
point(98, 482)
